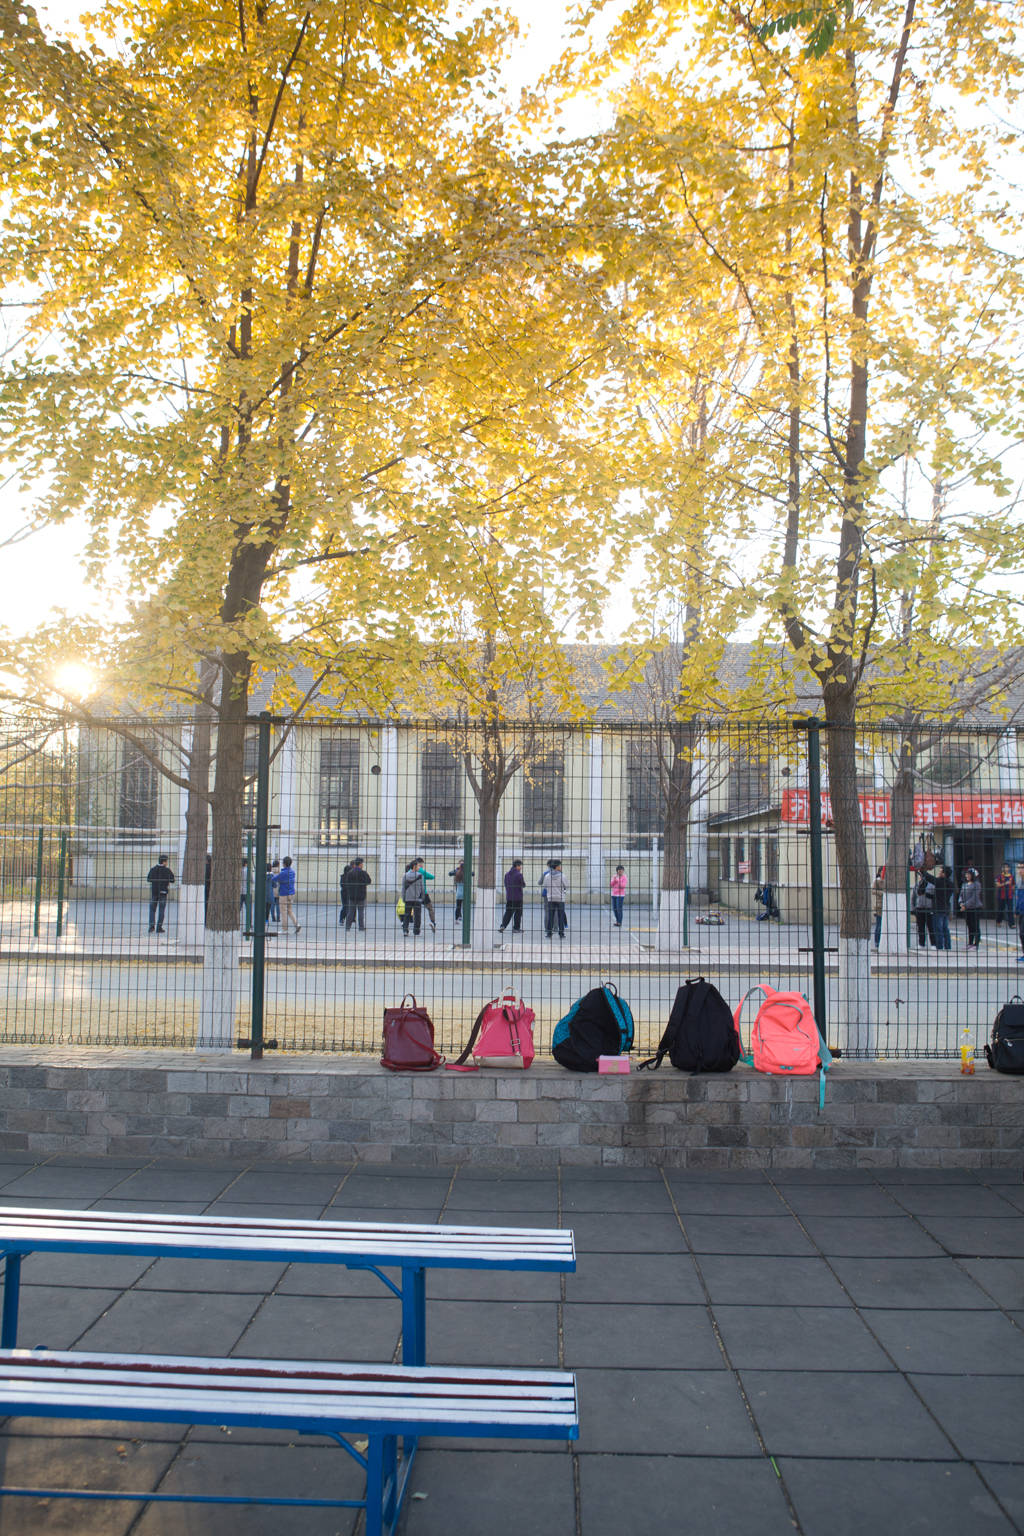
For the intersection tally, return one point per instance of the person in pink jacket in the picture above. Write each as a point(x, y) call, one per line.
point(618, 890)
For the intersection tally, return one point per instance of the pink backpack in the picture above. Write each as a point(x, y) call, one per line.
point(784, 1037)
point(502, 1036)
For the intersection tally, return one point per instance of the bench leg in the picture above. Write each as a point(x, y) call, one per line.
point(12, 1293)
point(382, 1493)
point(414, 1316)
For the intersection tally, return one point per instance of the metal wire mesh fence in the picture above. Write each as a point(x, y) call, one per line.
point(656, 841)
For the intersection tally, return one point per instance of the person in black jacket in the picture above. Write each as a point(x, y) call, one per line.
point(160, 880)
point(515, 885)
point(940, 883)
point(357, 881)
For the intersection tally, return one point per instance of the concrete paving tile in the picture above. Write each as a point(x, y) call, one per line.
point(283, 1211)
point(678, 1413)
point(976, 1343)
point(69, 1183)
point(320, 1328)
point(665, 1338)
point(864, 1200)
point(842, 1414)
point(601, 1174)
point(335, 1280)
point(980, 1414)
point(518, 1333)
point(112, 1271)
point(699, 1198)
point(896, 1176)
point(889, 1237)
point(1012, 1193)
point(151, 1207)
point(839, 1177)
point(67, 1202)
point(721, 1496)
point(284, 1470)
point(771, 1282)
point(156, 1184)
point(417, 1215)
point(119, 1465)
point(54, 1317)
point(146, 1323)
point(876, 1282)
point(492, 1285)
point(181, 1276)
point(1003, 1279)
point(619, 1198)
point(955, 1200)
point(477, 1198)
point(977, 1237)
point(627, 1234)
point(1007, 1484)
point(926, 1498)
point(798, 1338)
point(507, 1493)
point(651, 1278)
point(272, 1186)
point(426, 1194)
point(775, 1235)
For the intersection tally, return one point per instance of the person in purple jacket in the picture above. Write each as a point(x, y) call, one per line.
point(515, 885)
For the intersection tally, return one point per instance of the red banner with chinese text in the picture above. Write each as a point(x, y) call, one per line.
point(995, 811)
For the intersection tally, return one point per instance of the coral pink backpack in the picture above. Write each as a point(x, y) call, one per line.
point(502, 1036)
point(784, 1037)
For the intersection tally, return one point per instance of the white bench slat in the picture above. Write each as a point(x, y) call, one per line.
point(298, 1240)
point(198, 1390)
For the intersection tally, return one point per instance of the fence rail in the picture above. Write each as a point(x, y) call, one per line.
point(697, 818)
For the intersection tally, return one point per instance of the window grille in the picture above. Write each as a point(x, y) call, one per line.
point(338, 796)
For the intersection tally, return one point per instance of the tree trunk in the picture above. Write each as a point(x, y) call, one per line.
point(192, 917)
point(677, 790)
point(854, 1000)
point(220, 967)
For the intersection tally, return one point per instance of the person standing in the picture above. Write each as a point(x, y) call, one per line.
point(617, 886)
point(556, 889)
point(412, 897)
point(357, 882)
point(970, 901)
point(923, 907)
point(344, 893)
point(160, 880)
point(515, 886)
point(941, 887)
point(878, 902)
point(428, 904)
point(1005, 893)
point(286, 895)
point(458, 875)
point(274, 915)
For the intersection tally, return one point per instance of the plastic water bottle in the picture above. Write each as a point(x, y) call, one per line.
point(967, 1055)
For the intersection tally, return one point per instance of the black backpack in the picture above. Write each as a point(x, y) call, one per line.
point(701, 1034)
point(598, 1024)
point(1006, 1051)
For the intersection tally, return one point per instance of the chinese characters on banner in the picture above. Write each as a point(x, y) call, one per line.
point(996, 811)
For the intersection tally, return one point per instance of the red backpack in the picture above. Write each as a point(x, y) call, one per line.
point(502, 1036)
point(409, 1039)
point(784, 1037)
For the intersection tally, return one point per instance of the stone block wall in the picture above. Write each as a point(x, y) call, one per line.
point(163, 1103)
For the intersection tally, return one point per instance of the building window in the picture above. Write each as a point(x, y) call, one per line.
point(644, 815)
point(544, 797)
point(954, 765)
point(771, 865)
point(440, 790)
point(250, 765)
point(138, 795)
point(749, 784)
point(338, 793)
point(755, 860)
point(724, 859)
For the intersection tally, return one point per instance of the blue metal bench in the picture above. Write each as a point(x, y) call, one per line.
point(354, 1244)
point(379, 1402)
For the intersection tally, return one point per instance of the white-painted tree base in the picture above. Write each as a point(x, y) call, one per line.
point(854, 1029)
point(220, 992)
point(671, 921)
point(487, 909)
point(893, 940)
point(191, 919)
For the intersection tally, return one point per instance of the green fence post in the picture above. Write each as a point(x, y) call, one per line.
point(39, 886)
point(467, 888)
point(249, 856)
point(259, 915)
point(813, 727)
point(62, 858)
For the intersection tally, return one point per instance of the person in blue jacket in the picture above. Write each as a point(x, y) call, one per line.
point(286, 895)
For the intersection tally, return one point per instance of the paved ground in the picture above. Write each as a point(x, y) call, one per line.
point(829, 1354)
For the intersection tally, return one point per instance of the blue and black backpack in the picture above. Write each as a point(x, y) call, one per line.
point(598, 1024)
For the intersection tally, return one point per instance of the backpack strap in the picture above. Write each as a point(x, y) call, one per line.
point(747, 1057)
point(460, 1064)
